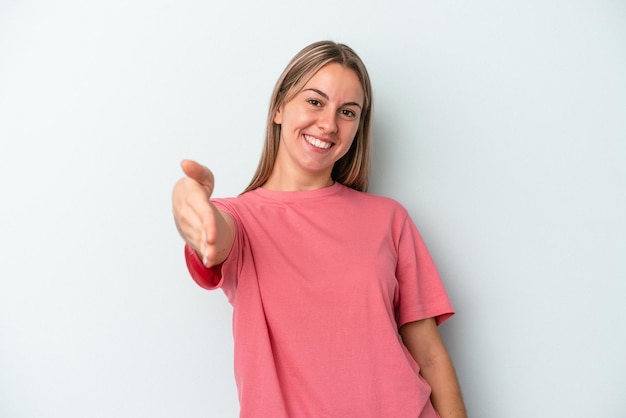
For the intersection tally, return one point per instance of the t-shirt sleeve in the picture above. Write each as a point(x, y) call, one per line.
point(207, 278)
point(422, 294)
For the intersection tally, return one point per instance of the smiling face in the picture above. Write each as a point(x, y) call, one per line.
point(317, 128)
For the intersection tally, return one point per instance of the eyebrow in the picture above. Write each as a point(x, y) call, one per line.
point(325, 96)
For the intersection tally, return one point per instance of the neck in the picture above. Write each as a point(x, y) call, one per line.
point(283, 182)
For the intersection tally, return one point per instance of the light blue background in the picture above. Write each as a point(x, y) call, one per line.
point(500, 125)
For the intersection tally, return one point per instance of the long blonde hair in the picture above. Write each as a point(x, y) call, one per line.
point(353, 168)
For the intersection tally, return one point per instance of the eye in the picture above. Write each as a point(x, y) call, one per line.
point(348, 113)
point(314, 102)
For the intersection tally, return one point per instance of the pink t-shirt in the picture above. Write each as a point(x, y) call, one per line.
point(320, 281)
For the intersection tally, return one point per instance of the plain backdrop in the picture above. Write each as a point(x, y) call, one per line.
point(500, 125)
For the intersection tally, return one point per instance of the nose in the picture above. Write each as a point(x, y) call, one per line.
point(327, 121)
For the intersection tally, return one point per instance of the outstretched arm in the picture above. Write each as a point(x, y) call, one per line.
point(204, 228)
point(425, 345)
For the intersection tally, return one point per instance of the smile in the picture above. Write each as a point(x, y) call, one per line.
point(317, 143)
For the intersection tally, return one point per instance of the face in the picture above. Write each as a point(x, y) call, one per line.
point(319, 124)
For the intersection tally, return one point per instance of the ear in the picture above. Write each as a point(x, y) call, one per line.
point(278, 117)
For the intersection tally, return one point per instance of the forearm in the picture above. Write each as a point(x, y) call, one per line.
point(446, 392)
point(423, 341)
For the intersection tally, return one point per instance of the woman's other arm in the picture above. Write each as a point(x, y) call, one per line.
point(425, 345)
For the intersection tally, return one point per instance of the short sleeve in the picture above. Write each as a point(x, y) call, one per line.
point(421, 291)
point(207, 278)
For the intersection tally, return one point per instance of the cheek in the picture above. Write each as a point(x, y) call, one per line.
point(293, 120)
point(351, 131)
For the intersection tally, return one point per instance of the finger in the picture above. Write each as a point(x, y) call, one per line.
point(198, 172)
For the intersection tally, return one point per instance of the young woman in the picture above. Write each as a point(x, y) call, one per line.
point(335, 298)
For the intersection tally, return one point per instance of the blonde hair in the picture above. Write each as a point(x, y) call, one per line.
point(353, 168)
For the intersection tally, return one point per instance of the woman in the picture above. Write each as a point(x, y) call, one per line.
point(335, 298)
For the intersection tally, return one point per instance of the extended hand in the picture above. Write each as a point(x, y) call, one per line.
point(198, 221)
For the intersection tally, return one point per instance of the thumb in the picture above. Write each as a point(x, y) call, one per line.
point(198, 172)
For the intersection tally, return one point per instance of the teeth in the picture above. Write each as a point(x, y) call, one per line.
point(316, 142)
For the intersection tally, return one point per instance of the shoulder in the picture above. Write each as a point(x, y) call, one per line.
point(225, 202)
point(234, 206)
point(371, 201)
